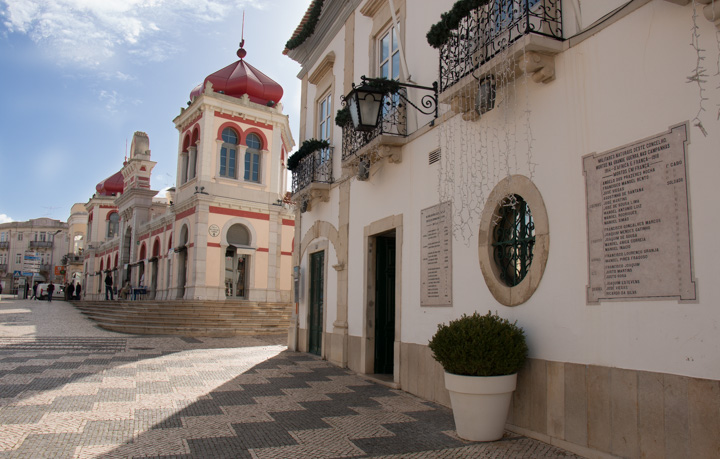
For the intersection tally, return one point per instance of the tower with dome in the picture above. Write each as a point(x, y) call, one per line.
point(224, 232)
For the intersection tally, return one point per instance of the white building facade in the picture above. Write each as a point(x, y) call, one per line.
point(571, 161)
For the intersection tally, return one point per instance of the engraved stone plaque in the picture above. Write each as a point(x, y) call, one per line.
point(638, 221)
point(436, 255)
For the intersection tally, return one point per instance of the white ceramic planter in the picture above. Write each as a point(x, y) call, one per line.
point(480, 404)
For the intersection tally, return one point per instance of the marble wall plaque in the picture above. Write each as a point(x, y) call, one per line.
point(638, 221)
point(436, 255)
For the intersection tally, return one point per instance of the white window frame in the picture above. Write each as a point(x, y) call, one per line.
point(324, 123)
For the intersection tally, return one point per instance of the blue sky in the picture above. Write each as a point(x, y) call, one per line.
point(79, 77)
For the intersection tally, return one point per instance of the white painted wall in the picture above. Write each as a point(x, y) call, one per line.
point(625, 83)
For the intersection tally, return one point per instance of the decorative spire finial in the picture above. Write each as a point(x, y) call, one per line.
point(241, 52)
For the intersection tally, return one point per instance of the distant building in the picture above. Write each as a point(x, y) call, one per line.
point(33, 250)
point(565, 182)
point(224, 232)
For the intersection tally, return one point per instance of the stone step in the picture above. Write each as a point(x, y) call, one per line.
point(189, 318)
point(191, 331)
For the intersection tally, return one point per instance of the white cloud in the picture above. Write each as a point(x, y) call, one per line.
point(5, 219)
point(110, 99)
point(90, 32)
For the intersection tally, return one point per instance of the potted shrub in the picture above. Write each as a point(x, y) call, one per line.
point(481, 356)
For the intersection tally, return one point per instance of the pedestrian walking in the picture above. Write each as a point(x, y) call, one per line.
point(108, 287)
point(78, 289)
point(51, 289)
point(34, 295)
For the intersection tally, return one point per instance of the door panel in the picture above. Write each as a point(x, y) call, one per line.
point(317, 276)
point(384, 304)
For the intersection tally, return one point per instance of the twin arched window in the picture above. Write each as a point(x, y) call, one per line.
point(228, 155)
point(113, 225)
point(252, 158)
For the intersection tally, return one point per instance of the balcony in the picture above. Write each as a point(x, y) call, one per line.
point(72, 259)
point(3, 268)
point(524, 33)
point(5, 245)
point(41, 244)
point(313, 175)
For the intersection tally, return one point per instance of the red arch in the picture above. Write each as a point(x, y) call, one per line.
point(115, 265)
point(102, 264)
point(195, 136)
point(156, 247)
point(186, 142)
point(260, 134)
point(170, 243)
point(232, 125)
point(107, 217)
point(142, 252)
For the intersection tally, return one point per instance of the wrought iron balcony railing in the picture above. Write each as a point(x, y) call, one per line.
point(394, 122)
point(490, 29)
point(5, 245)
point(41, 244)
point(314, 168)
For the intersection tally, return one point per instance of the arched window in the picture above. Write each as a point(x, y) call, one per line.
point(252, 158)
point(236, 264)
point(78, 245)
point(228, 153)
point(238, 235)
point(113, 225)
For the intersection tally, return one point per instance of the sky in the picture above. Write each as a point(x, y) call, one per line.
point(79, 77)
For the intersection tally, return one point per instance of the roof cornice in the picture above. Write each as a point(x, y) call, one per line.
point(334, 15)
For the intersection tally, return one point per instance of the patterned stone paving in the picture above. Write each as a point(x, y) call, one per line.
point(127, 396)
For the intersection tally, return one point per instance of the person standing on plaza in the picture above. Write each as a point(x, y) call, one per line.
point(51, 289)
point(108, 287)
point(69, 291)
point(78, 289)
point(34, 295)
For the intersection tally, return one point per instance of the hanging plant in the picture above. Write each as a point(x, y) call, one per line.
point(440, 32)
point(308, 28)
point(385, 85)
point(307, 148)
point(343, 118)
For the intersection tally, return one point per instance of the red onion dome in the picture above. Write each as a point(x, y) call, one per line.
point(111, 185)
point(241, 78)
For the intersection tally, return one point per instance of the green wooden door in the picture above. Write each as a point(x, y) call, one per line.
point(317, 266)
point(384, 304)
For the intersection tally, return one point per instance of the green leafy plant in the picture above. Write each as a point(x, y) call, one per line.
point(440, 32)
point(308, 28)
point(480, 346)
point(384, 85)
point(307, 148)
point(342, 117)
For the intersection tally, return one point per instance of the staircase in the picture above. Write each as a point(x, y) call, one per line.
point(189, 318)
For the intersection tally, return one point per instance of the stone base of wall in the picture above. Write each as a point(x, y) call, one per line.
point(596, 411)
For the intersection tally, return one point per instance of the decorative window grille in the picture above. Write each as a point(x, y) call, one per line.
point(513, 239)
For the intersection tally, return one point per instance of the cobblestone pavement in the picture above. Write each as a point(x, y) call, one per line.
point(69, 389)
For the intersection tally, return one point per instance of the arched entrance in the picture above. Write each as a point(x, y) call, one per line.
point(125, 255)
point(182, 262)
point(236, 264)
point(154, 269)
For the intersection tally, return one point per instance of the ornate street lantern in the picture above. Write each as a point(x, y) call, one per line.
point(365, 102)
